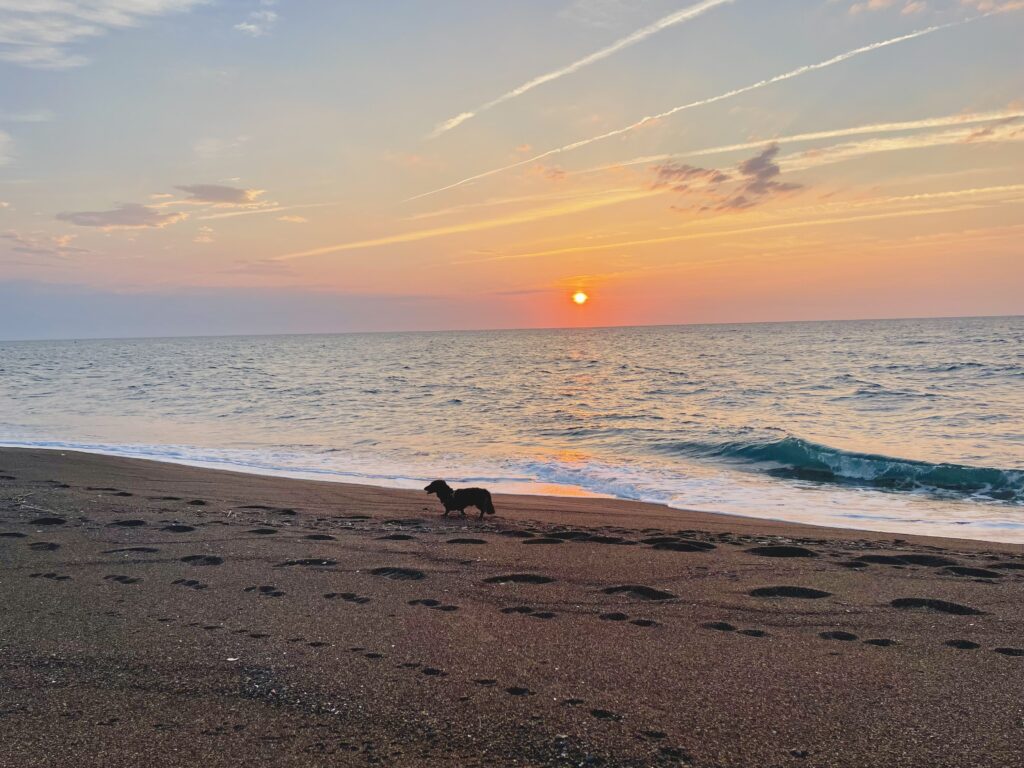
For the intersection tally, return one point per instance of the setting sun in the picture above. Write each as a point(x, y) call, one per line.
point(580, 297)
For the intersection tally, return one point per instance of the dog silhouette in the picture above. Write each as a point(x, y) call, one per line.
point(457, 501)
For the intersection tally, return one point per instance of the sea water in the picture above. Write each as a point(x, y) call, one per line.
point(912, 426)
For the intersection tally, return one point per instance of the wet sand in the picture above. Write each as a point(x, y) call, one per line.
point(162, 615)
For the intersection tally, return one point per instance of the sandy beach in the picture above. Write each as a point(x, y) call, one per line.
point(163, 615)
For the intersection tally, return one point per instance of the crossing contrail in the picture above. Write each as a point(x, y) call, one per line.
point(679, 17)
point(703, 102)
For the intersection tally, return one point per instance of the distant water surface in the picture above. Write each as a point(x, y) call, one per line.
point(910, 426)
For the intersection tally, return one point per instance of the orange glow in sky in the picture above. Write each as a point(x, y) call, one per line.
point(580, 297)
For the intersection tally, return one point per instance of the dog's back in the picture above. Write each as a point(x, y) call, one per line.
point(475, 497)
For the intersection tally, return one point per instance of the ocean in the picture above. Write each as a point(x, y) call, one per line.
point(912, 426)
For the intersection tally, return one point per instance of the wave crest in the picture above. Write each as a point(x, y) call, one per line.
point(798, 459)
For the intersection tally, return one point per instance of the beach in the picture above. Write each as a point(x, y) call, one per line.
point(167, 615)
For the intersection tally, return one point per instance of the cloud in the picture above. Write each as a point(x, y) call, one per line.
point(37, 244)
point(127, 216)
point(219, 194)
point(43, 33)
point(6, 148)
point(700, 103)
point(753, 182)
point(259, 22)
point(205, 235)
point(680, 176)
point(293, 219)
point(679, 17)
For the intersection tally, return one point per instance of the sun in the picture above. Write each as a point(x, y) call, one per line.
point(580, 297)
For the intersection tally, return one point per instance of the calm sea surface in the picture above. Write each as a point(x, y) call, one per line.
point(909, 426)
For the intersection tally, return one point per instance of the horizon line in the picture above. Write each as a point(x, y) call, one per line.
point(517, 328)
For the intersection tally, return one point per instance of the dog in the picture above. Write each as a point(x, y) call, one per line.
point(464, 497)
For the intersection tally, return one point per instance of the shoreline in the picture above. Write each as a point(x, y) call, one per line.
point(168, 615)
point(544, 490)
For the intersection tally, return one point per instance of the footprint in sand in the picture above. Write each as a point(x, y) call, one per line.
point(837, 635)
point(190, 583)
point(518, 691)
point(51, 576)
point(141, 550)
point(881, 642)
point(1008, 566)
point(178, 528)
point(127, 524)
point(319, 537)
point(639, 592)
point(486, 682)
point(43, 546)
point(1010, 651)
point(121, 579)
point(613, 617)
point(545, 540)
point(803, 593)
point(263, 531)
point(396, 537)
point(978, 573)
point(962, 645)
point(11, 535)
point(429, 602)
point(267, 590)
point(433, 672)
point(781, 551)
point(399, 574)
point(519, 578)
point(466, 541)
point(684, 546)
point(604, 714)
point(196, 503)
point(48, 521)
point(350, 597)
point(202, 560)
point(720, 626)
point(939, 606)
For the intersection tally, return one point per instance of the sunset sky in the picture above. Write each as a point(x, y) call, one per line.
point(232, 166)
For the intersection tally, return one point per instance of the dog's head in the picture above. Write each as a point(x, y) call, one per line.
point(438, 487)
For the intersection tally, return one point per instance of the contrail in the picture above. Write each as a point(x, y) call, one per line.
point(703, 102)
point(679, 17)
point(961, 119)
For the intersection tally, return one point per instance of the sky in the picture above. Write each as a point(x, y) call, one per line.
point(180, 167)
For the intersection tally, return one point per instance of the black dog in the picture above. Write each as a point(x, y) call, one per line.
point(462, 498)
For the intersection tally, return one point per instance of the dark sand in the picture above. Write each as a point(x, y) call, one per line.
point(157, 615)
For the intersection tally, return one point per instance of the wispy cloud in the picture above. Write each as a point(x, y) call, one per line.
point(38, 244)
point(673, 19)
point(793, 73)
point(537, 214)
point(127, 216)
point(43, 33)
point(259, 22)
point(838, 213)
point(218, 194)
point(1003, 116)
